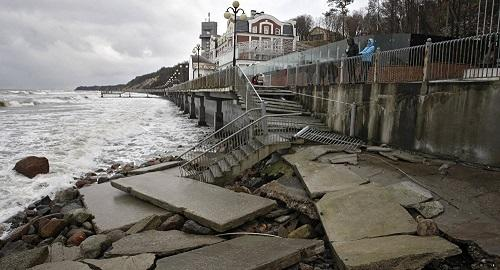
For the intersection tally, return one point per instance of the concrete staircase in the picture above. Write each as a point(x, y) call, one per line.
point(226, 167)
point(278, 100)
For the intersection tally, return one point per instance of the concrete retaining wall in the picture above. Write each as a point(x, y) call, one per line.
point(458, 120)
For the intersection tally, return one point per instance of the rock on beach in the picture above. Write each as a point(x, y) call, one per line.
point(32, 166)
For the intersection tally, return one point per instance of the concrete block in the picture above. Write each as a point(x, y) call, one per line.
point(245, 253)
point(400, 252)
point(363, 212)
point(155, 168)
point(161, 243)
point(114, 209)
point(209, 205)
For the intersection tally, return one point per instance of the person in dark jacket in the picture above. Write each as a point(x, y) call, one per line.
point(351, 51)
point(352, 48)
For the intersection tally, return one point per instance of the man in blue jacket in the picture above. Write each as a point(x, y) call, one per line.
point(366, 59)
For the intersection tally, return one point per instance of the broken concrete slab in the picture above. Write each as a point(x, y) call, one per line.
point(430, 209)
point(363, 212)
point(408, 193)
point(388, 155)
point(393, 252)
point(408, 157)
point(114, 209)
point(217, 208)
point(24, 259)
point(161, 243)
point(339, 158)
point(321, 178)
point(155, 168)
point(312, 153)
point(66, 265)
point(378, 149)
point(148, 223)
point(293, 197)
point(59, 253)
point(139, 262)
point(245, 253)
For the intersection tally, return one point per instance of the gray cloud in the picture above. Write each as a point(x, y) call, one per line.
point(60, 44)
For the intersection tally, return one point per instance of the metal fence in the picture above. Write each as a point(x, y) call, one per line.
point(469, 58)
point(466, 58)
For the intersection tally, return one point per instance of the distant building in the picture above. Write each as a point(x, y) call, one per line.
point(205, 66)
point(260, 38)
point(208, 30)
point(321, 34)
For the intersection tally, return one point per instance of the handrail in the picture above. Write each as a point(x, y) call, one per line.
point(251, 84)
point(221, 143)
point(219, 131)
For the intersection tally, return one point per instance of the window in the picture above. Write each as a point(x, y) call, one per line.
point(254, 29)
point(266, 29)
point(277, 32)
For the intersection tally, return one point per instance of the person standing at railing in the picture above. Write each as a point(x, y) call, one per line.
point(366, 59)
point(351, 51)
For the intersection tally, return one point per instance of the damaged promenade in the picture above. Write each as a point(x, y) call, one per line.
point(303, 207)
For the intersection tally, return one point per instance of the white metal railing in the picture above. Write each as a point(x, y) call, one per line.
point(466, 58)
point(236, 124)
point(460, 59)
point(278, 124)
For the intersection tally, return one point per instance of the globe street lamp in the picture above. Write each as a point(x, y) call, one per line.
point(196, 50)
point(234, 18)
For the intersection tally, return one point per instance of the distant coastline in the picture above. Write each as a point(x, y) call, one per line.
point(157, 79)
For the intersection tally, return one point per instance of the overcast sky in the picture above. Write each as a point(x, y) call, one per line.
point(60, 44)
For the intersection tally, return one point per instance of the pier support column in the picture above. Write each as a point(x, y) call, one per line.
point(181, 102)
point(219, 116)
point(192, 109)
point(186, 104)
point(201, 118)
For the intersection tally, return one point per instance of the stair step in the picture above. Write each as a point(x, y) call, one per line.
point(281, 104)
point(216, 170)
point(208, 177)
point(247, 149)
point(275, 93)
point(231, 160)
point(224, 165)
point(239, 155)
point(277, 99)
point(255, 144)
point(271, 87)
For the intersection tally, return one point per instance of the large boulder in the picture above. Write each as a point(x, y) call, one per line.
point(32, 166)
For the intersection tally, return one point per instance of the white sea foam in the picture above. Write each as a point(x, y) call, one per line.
point(81, 134)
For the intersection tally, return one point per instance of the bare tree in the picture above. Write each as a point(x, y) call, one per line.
point(339, 6)
point(304, 24)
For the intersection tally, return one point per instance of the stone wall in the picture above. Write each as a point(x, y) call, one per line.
point(458, 120)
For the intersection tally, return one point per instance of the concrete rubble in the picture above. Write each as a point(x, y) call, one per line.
point(160, 243)
point(215, 207)
point(318, 207)
point(245, 253)
point(321, 178)
point(408, 193)
point(114, 209)
point(139, 262)
point(360, 213)
point(393, 252)
point(155, 168)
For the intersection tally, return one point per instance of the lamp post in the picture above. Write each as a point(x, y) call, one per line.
point(196, 50)
point(235, 9)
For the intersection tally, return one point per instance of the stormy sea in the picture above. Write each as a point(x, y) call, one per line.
point(80, 132)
